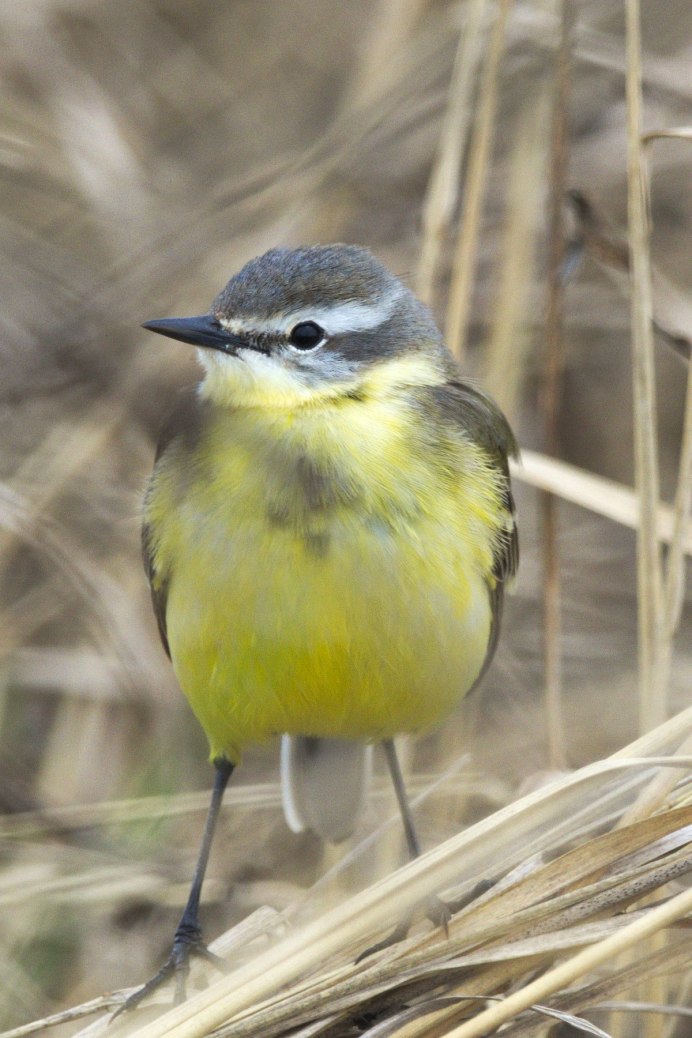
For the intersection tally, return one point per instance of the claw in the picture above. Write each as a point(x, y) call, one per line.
point(397, 935)
point(482, 887)
point(438, 912)
point(187, 943)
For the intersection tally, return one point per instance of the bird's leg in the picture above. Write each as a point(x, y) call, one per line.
point(436, 910)
point(439, 912)
point(187, 940)
point(412, 841)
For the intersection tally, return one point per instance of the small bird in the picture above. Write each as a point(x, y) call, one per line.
point(327, 533)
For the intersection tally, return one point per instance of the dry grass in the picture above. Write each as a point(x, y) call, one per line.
point(148, 150)
point(559, 887)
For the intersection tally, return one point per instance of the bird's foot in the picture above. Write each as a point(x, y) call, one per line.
point(482, 887)
point(187, 944)
point(398, 934)
point(437, 912)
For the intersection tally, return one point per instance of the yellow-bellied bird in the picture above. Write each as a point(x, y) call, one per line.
point(327, 532)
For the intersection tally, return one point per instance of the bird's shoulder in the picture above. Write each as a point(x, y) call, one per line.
point(184, 423)
point(463, 405)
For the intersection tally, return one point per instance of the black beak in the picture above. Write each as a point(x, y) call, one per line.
point(199, 331)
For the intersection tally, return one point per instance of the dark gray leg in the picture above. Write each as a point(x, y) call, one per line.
point(412, 840)
point(187, 940)
point(436, 910)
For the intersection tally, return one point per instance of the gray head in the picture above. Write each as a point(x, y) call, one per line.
point(306, 322)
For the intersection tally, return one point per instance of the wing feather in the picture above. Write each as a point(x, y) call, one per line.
point(181, 432)
point(482, 421)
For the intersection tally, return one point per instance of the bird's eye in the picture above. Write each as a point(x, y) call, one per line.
point(306, 335)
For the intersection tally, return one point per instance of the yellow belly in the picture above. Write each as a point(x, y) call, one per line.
point(363, 621)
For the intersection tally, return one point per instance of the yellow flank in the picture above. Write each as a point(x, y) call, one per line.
point(327, 570)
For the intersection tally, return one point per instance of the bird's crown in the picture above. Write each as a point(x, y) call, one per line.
point(285, 281)
point(307, 322)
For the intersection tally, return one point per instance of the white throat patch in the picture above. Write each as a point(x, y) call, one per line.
point(253, 379)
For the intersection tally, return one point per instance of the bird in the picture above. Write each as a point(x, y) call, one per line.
point(328, 533)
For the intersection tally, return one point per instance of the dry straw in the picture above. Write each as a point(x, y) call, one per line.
point(443, 187)
point(600, 495)
point(464, 263)
point(553, 383)
point(528, 922)
point(652, 704)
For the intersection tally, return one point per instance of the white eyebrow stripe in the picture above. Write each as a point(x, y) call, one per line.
point(349, 316)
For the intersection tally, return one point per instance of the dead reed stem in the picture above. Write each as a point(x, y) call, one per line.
point(597, 493)
point(508, 350)
point(577, 966)
point(674, 585)
point(464, 262)
point(552, 589)
point(652, 697)
point(443, 188)
point(675, 563)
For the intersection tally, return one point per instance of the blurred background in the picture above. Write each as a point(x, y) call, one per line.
point(148, 149)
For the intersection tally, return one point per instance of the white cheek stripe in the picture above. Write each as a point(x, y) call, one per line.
point(342, 317)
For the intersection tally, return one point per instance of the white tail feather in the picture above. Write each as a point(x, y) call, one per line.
point(323, 784)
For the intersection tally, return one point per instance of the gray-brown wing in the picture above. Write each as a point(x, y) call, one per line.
point(180, 432)
point(482, 420)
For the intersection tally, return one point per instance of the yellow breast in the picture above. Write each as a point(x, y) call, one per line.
point(327, 570)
